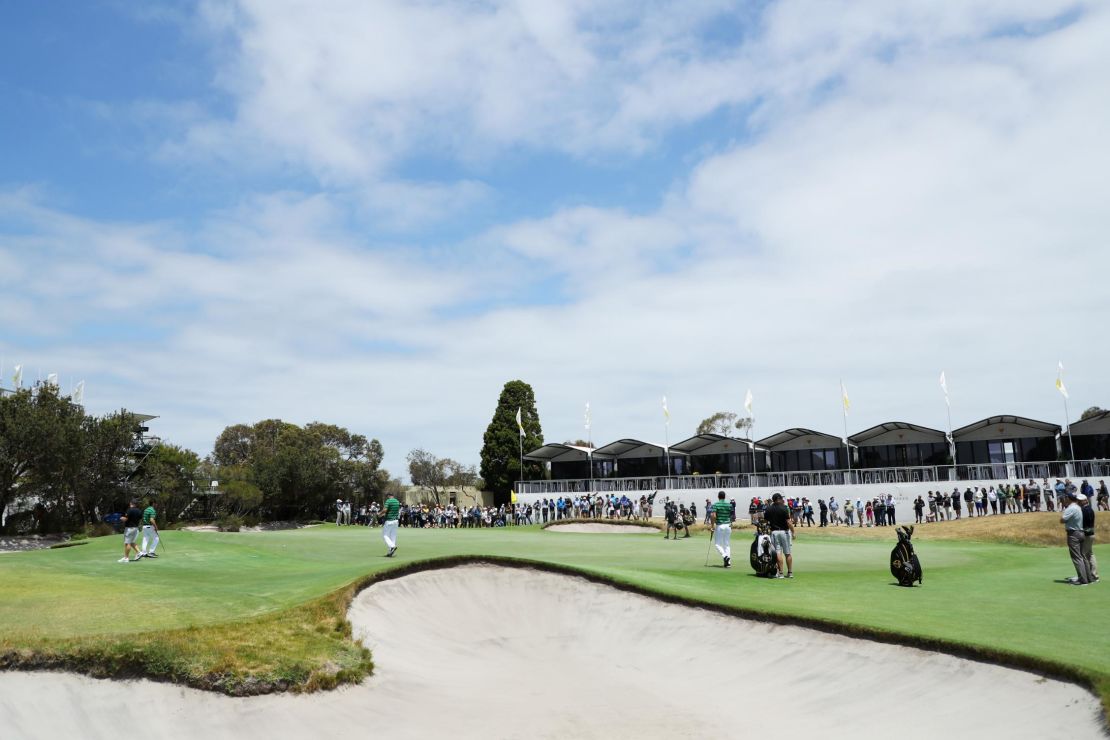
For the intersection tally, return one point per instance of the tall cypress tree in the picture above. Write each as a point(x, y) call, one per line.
point(501, 442)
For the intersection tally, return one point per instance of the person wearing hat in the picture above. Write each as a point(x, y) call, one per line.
point(782, 529)
point(722, 528)
point(1072, 519)
point(338, 511)
point(131, 521)
point(1088, 549)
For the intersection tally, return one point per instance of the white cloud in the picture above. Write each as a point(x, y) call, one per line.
point(917, 192)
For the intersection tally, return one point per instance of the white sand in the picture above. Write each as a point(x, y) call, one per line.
point(487, 652)
point(598, 528)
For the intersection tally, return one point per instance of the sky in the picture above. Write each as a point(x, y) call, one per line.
point(376, 214)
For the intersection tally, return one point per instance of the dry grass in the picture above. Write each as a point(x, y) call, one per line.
point(1042, 529)
point(304, 649)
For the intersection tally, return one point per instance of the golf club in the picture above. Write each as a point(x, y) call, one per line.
point(709, 549)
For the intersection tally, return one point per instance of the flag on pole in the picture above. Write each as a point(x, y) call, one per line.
point(17, 378)
point(844, 398)
point(748, 402)
point(79, 393)
point(1060, 380)
point(519, 424)
point(587, 416)
point(52, 379)
point(944, 387)
point(666, 412)
point(512, 496)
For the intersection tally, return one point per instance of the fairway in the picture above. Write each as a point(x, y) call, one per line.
point(993, 597)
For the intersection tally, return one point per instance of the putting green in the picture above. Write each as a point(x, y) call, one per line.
point(992, 596)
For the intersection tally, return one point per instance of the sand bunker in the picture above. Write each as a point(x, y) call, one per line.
point(488, 652)
point(595, 528)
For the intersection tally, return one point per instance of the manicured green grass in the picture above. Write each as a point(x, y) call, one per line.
point(265, 610)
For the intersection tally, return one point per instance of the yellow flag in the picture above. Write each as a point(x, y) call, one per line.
point(512, 496)
point(1060, 380)
point(844, 398)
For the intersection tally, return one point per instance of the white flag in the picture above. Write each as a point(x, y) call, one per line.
point(519, 425)
point(587, 416)
point(844, 398)
point(944, 387)
point(79, 393)
point(52, 379)
point(666, 412)
point(748, 402)
point(1060, 380)
point(18, 377)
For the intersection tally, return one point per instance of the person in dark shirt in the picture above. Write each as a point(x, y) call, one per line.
point(782, 529)
point(131, 522)
point(824, 512)
point(1087, 548)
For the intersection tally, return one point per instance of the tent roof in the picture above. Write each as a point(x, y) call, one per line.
point(556, 452)
point(712, 444)
point(1097, 424)
point(981, 429)
point(632, 448)
point(862, 438)
point(141, 418)
point(796, 435)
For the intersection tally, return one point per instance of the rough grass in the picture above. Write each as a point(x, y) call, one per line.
point(303, 649)
point(1039, 529)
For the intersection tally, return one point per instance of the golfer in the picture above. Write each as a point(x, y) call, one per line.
point(722, 527)
point(389, 526)
point(131, 521)
point(1072, 519)
point(782, 530)
point(150, 531)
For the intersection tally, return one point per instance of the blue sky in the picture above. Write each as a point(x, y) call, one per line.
point(376, 214)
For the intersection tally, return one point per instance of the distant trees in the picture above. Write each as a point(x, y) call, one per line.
point(279, 470)
point(1091, 412)
point(502, 441)
point(64, 467)
point(439, 475)
point(724, 423)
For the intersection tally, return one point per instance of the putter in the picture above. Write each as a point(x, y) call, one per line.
point(710, 549)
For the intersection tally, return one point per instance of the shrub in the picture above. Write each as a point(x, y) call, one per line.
point(100, 529)
point(229, 523)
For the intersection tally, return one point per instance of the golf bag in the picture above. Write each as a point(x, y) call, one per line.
point(904, 565)
point(763, 559)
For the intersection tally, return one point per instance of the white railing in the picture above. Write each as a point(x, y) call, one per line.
point(1038, 471)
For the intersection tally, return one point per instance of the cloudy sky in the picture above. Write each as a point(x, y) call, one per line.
point(377, 213)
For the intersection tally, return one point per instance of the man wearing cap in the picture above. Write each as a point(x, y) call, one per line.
point(782, 529)
point(131, 521)
point(722, 527)
point(1088, 549)
point(338, 511)
point(1072, 519)
point(150, 531)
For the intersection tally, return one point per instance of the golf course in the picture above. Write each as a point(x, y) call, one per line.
point(263, 612)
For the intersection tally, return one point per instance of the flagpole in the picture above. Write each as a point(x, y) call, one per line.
point(1067, 422)
point(844, 409)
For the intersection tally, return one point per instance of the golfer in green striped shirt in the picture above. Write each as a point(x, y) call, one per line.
point(389, 527)
point(722, 530)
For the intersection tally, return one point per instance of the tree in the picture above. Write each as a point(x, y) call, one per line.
point(438, 475)
point(501, 444)
point(298, 471)
point(1092, 412)
point(169, 474)
point(721, 422)
point(577, 443)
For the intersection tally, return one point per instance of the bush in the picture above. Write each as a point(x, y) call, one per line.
point(229, 523)
point(100, 529)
